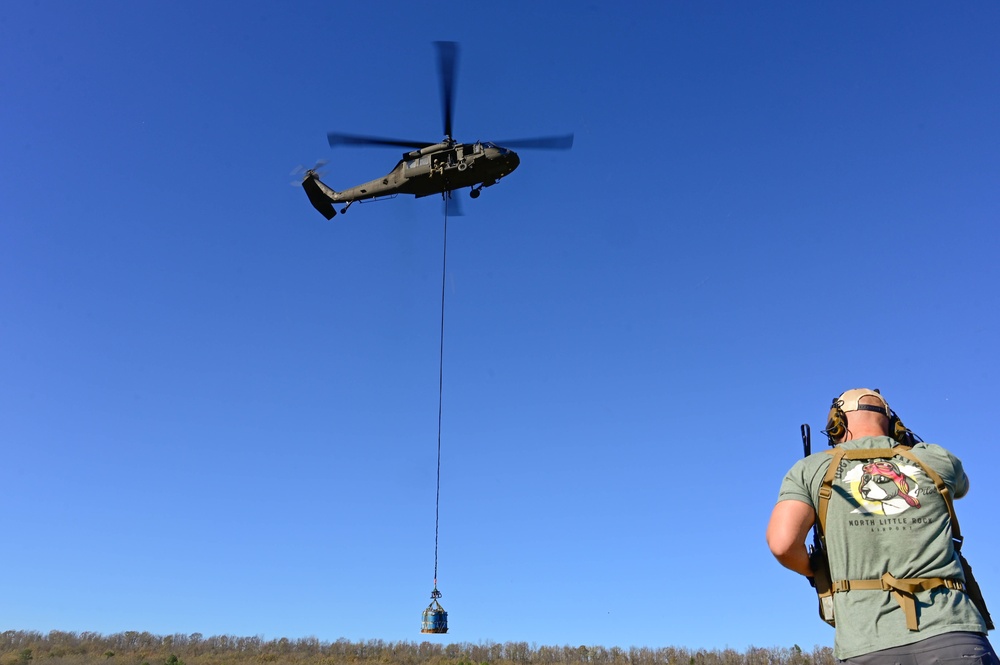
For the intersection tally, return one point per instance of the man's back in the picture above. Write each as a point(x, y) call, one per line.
point(886, 516)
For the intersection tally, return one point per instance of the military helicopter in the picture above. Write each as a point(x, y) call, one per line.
point(429, 168)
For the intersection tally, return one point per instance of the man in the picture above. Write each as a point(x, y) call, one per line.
point(883, 516)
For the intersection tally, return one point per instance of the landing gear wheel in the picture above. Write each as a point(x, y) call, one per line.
point(474, 193)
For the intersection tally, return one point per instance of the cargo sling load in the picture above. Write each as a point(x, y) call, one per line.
point(435, 619)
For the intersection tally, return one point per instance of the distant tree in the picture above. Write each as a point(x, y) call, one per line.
point(143, 648)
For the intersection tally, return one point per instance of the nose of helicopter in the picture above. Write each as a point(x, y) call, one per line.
point(503, 160)
point(512, 160)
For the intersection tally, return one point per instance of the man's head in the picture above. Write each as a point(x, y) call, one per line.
point(857, 413)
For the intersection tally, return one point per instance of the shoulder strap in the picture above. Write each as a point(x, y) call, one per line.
point(826, 489)
point(942, 488)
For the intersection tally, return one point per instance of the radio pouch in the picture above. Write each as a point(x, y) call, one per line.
point(821, 581)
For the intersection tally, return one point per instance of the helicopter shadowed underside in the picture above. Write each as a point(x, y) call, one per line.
point(429, 168)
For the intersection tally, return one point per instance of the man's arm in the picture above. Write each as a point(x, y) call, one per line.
point(786, 534)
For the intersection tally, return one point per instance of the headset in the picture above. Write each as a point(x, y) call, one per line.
point(836, 422)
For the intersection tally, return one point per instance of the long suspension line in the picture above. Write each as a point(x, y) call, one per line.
point(437, 500)
point(435, 619)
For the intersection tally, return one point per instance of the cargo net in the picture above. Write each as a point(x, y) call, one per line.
point(435, 619)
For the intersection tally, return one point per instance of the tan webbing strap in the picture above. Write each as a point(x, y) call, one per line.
point(902, 591)
point(942, 489)
point(826, 489)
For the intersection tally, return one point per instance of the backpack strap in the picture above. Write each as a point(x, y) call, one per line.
point(942, 488)
point(826, 489)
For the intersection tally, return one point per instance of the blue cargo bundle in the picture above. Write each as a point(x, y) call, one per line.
point(435, 619)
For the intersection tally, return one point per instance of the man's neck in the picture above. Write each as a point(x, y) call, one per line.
point(862, 432)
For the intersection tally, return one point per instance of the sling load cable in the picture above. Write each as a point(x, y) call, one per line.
point(435, 619)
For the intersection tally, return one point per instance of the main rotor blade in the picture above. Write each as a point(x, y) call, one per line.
point(447, 62)
point(336, 139)
point(564, 142)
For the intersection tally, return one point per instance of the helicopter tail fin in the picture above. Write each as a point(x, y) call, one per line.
point(320, 196)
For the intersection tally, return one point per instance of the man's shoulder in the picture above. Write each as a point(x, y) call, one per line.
point(931, 449)
point(803, 479)
point(946, 464)
point(813, 462)
point(929, 453)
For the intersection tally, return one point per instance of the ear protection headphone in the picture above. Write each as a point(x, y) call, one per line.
point(836, 423)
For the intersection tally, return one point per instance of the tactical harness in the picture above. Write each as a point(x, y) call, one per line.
point(902, 590)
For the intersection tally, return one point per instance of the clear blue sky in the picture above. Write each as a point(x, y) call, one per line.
point(218, 411)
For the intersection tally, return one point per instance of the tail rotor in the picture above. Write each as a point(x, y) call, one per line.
point(301, 172)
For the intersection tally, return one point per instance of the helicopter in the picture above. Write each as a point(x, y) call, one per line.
point(429, 168)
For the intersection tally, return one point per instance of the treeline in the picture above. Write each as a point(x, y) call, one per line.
point(134, 648)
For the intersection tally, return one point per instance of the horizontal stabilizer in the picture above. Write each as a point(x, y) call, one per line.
point(318, 198)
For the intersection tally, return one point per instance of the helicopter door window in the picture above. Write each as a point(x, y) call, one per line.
point(424, 161)
point(445, 159)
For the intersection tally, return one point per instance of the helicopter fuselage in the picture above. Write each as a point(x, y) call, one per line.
point(434, 169)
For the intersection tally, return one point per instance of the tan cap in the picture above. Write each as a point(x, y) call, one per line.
point(850, 400)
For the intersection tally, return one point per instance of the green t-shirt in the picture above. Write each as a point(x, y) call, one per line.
point(888, 518)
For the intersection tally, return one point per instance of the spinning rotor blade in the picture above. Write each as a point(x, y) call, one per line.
point(336, 139)
point(301, 172)
point(564, 142)
point(301, 169)
point(447, 62)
